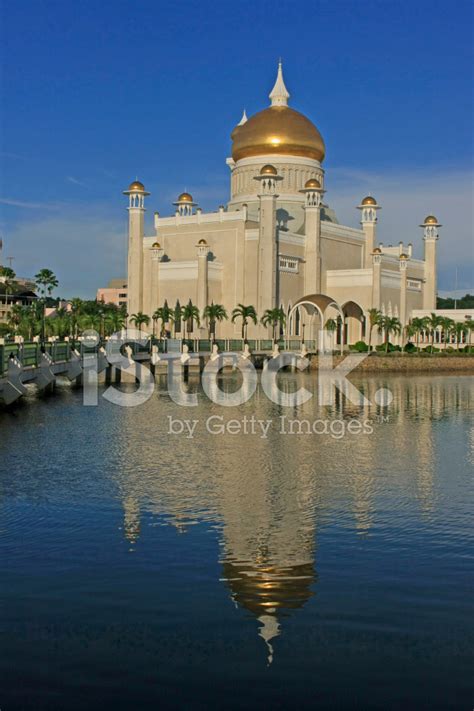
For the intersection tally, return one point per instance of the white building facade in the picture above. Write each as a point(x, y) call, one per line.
point(277, 243)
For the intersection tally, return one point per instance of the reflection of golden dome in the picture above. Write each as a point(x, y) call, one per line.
point(136, 186)
point(278, 130)
point(269, 589)
point(312, 183)
point(369, 200)
point(268, 170)
point(185, 197)
point(431, 220)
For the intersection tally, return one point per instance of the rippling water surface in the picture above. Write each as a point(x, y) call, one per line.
point(147, 570)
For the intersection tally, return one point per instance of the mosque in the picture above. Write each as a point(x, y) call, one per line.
point(277, 242)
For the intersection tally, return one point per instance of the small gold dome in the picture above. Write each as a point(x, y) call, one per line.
point(312, 183)
point(185, 197)
point(156, 245)
point(277, 130)
point(136, 186)
point(403, 256)
point(377, 250)
point(431, 220)
point(202, 241)
point(268, 170)
point(369, 200)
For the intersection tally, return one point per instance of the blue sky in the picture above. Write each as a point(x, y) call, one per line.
point(98, 93)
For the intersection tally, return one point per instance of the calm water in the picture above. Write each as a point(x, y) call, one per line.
point(143, 570)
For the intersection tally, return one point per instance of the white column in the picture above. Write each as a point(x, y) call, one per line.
point(203, 277)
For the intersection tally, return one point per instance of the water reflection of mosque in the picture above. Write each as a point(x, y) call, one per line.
point(269, 497)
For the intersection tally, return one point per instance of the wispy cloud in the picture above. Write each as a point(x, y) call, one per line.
point(30, 205)
point(75, 181)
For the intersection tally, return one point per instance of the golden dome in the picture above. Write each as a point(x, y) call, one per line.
point(156, 245)
point(185, 197)
point(136, 186)
point(202, 241)
point(377, 250)
point(404, 256)
point(431, 220)
point(312, 183)
point(369, 200)
point(268, 170)
point(277, 130)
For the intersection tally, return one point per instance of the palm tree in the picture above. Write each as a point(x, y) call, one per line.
point(114, 321)
point(274, 318)
point(213, 313)
point(446, 327)
point(9, 277)
point(245, 313)
point(190, 314)
point(388, 325)
point(459, 329)
point(165, 315)
point(45, 281)
point(374, 320)
point(433, 322)
point(469, 324)
point(418, 325)
point(140, 319)
point(76, 306)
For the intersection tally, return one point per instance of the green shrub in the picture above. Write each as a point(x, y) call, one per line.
point(431, 349)
point(360, 347)
point(409, 347)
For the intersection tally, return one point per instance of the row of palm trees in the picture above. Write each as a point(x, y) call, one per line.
point(181, 319)
point(418, 327)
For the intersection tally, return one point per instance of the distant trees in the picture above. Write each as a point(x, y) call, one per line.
point(275, 318)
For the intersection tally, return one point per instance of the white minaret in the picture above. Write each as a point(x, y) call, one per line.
point(136, 231)
point(279, 95)
point(403, 263)
point(376, 259)
point(312, 253)
point(430, 236)
point(368, 220)
point(203, 274)
point(267, 240)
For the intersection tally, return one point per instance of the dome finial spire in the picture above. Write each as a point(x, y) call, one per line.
point(243, 120)
point(279, 94)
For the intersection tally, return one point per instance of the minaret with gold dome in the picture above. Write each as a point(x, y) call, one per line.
point(136, 230)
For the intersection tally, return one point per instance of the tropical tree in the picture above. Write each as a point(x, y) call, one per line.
point(469, 324)
point(190, 314)
point(165, 315)
point(8, 278)
point(214, 313)
point(114, 321)
point(374, 320)
point(61, 323)
point(459, 330)
point(434, 322)
point(45, 281)
point(245, 313)
point(446, 328)
point(140, 319)
point(274, 318)
point(388, 325)
point(417, 326)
